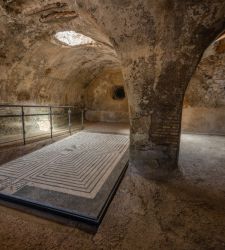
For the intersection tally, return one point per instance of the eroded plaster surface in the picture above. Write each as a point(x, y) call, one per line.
point(204, 102)
point(100, 104)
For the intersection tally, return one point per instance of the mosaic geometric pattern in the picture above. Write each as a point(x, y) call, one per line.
point(78, 165)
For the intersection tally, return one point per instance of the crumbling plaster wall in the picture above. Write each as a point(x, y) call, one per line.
point(37, 69)
point(204, 103)
point(99, 100)
point(52, 74)
point(41, 78)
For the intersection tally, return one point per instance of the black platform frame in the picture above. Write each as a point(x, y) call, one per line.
point(63, 212)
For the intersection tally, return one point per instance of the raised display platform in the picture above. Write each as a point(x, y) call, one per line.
point(76, 176)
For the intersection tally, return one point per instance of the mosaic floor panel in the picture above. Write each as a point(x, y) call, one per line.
point(70, 173)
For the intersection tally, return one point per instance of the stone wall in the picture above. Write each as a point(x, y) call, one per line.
point(204, 103)
point(100, 103)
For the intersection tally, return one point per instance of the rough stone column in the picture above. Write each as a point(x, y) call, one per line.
point(155, 91)
point(156, 80)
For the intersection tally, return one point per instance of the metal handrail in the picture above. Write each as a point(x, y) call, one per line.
point(50, 114)
point(34, 106)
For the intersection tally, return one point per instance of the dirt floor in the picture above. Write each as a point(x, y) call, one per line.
point(186, 212)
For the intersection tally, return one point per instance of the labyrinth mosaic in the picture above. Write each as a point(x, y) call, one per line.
point(78, 165)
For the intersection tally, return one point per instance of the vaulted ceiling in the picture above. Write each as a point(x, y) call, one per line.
point(38, 66)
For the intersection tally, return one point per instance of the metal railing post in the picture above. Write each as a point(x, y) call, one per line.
point(50, 113)
point(51, 124)
point(23, 125)
point(82, 119)
point(69, 119)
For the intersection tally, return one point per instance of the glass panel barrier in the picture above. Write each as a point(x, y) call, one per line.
point(24, 123)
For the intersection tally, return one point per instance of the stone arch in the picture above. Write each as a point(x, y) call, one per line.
point(158, 59)
point(45, 68)
point(204, 99)
point(203, 118)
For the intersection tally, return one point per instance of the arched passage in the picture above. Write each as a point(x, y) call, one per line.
point(202, 141)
